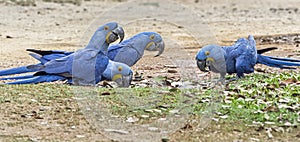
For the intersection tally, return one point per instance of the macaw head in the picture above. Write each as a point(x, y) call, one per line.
point(150, 41)
point(113, 32)
point(118, 72)
point(210, 56)
point(110, 32)
point(156, 43)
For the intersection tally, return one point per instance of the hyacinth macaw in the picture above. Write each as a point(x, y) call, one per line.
point(83, 63)
point(62, 69)
point(239, 58)
point(131, 50)
point(128, 52)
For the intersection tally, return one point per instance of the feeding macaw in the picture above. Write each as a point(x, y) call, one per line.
point(83, 63)
point(129, 52)
point(239, 58)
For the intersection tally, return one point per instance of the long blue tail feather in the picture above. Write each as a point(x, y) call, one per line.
point(284, 59)
point(39, 58)
point(38, 79)
point(283, 63)
point(17, 77)
point(17, 70)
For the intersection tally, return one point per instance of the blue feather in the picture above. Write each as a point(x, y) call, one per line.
point(38, 79)
point(276, 62)
point(17, 77)
point(16, 70)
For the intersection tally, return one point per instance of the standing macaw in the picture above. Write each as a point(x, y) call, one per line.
point(239, 58)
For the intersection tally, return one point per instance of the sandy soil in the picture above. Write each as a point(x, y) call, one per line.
point(51, 25)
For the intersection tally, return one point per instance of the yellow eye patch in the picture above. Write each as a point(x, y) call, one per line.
point(152, 37)
point(106, 28)
point(207, 53)
point(120, 68)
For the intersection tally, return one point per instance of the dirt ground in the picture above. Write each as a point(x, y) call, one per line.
point(50, 25)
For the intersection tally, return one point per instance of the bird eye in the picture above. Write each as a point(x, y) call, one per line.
point(106, 28)
point(152, 37)
point(120, 68)
point(207, 53)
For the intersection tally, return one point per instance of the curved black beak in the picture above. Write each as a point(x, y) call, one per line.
point(119, 31)
point(202, 65)
point(160, 47)
point(125, 81)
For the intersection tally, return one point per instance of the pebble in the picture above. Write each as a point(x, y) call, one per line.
point(116, 131)
point(175, 111)
point(80, 136)
point(132, 119)
point(153, 129)
point(157, 110)
point(144, 116)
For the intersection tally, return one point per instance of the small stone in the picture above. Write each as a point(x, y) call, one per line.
point(149, 110)
point(224, 116)
point(175, 111)
point(269, 123)
point(157, 110)
point(144, 116)
point(288, 124)
point(132, 119)
point(215, 119)
point(80, 136)
point(153, 129)
point(44, 123)
point(255, 139)
point(269, 133)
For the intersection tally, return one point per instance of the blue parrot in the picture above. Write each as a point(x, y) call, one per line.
point(131, 50)
point(62, 69)
point(239, 58)
point(80, 65)
point(133, 46)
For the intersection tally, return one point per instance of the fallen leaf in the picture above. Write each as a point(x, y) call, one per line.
point(172, 71)
point(271, 109)
point(290, 81)
point(105, 93)
point(187, 126)
point(170, 66)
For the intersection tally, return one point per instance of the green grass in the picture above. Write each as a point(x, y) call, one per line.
point(255, 98)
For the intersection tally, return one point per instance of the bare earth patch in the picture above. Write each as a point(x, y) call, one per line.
point(29, 115)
